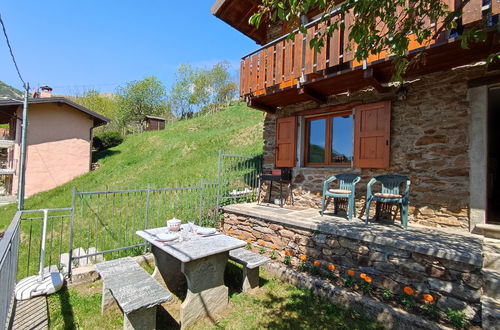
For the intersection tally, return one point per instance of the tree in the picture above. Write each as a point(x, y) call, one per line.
point(105, 104)
point(140, 98)
point(379, 25)
point(201, 90)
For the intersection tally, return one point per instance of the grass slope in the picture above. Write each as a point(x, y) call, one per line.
point(9, 91)
point(183, 154)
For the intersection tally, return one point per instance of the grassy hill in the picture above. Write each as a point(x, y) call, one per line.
point(9, 92)
point(184, 153)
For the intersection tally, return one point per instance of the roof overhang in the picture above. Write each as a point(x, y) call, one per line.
point(236, 13)
point(99, 120)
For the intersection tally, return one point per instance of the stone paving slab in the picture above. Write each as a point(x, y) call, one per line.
point(460, 247)
point(31, 314)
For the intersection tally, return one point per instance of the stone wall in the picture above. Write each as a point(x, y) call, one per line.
point(429, 143)
point(454, 280)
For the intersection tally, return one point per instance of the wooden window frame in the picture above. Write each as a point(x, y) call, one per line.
point(328, 140)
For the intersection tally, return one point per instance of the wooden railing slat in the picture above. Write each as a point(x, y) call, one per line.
point(349, 49)
point(334, 53)
point(254, 73)
point(287, 70)
point(297, 55)
point(309, 63)
point(279, 63)
point(270, 66)
point(321, 55)
point(472, 12)
point(495, 7)
point(262, 70)
point(242, 78)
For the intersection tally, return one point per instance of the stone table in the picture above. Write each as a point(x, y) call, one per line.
point(199, 261)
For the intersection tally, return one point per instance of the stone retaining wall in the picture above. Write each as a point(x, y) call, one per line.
point(429, 143)
point(455, 282)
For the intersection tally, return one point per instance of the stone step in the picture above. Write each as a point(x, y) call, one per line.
point(491, 287)
point(491, 253)
point(490, 313)
point(487, 230)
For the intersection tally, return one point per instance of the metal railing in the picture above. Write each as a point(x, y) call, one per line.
point(9, 248)
point(104, 222)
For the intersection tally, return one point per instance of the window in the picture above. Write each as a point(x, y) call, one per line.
point(329, 140)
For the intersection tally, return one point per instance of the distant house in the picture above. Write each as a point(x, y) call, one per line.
point(59, 141)
point(152, 123)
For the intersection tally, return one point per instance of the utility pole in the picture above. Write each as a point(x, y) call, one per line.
point(22, 160)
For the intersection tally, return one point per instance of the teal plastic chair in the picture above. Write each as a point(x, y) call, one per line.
point(391, 193)
point(347, 189)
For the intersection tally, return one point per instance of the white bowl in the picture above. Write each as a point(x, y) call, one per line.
point(174, 224)
point(167, 237)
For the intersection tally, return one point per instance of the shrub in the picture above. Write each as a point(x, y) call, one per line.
point(106, 140)
point(457, 318)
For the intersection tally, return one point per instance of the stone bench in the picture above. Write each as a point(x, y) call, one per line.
point(134, 290)
point(251, 264)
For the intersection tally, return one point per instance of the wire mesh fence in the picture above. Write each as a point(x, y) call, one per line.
point(101, 222)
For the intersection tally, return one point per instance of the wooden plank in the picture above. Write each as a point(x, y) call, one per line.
point(270, 66)
point(242, 78)
point(309, 66)
point(334, 53)
point(254, 73)
point(321, 55)
point(298, 55)
point(349, 47)
point(279, 62)
point(287, 65)
point(495, 7)
point(472, 12)
point(262, 69)
point(247, 75)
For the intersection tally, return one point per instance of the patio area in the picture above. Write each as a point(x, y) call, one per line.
point(447, 264)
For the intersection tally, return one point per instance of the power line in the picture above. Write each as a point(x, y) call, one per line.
point(12, 53)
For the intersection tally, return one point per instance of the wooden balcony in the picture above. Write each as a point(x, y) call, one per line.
point(285, 71)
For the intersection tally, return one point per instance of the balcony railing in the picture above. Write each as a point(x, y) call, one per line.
point(284, 63)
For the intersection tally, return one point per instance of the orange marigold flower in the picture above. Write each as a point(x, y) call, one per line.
point(317, 263)
point(240, 237)
point(428, 298)
point(408, 290)
point(368, 279)
point(261, 243)
point(249, 240)
point(331, 267)
point(288, 253)
point(303, 257)
point(362, 275)
point(274, 247)
point(351, 272)
point(229, 232)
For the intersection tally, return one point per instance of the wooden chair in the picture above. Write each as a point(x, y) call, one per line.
point(392, 193)
point(346, 189)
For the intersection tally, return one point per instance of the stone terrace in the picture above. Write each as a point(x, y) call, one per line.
point(444, 263)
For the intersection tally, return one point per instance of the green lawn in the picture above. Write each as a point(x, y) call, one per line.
point(183, 154)
point(275, 305)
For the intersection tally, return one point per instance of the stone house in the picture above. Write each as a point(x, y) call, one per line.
point(326, 113)
point(59, 141)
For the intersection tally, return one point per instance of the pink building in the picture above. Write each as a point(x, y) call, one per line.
point(59, 142)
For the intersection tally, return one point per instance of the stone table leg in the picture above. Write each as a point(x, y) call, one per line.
point(107, 298)
point(142, 319)
point(168, 272)
point(250, 278)
point(206, 293)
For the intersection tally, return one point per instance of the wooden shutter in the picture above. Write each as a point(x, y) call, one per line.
point(286, 129)
point(372, 130)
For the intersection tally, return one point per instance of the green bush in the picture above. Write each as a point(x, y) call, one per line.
point(106, 140)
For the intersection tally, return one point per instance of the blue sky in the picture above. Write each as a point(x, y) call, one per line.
point(75, 45)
